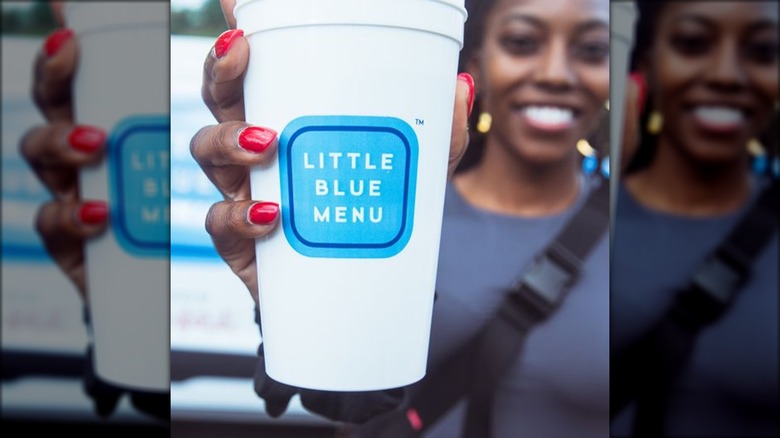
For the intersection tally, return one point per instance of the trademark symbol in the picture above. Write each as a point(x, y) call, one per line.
point(419, 122)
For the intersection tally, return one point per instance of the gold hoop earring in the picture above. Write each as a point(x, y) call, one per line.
point(484, 122)
point(755, 148)
point(585, 149)
point(758, 158)
point(655, 123)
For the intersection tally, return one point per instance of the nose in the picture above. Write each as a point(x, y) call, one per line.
point(725, 71)
point(554, 71)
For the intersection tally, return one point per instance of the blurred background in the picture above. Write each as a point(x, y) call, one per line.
point(214, 338)
point(43, 333)
point(213, 335)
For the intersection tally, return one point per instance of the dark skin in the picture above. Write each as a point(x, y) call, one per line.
point(227, 165)
point(717, 54)
point(51, 155)
point(213, 147)
point(547, 53)
point(47, 151)
point(57, 163)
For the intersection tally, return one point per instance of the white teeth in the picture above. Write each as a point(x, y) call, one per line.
point(549, 115)
point(719, 115)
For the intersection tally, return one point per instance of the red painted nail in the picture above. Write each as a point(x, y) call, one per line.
point(55, 40)
point(639, 80)
point(86, 138)
point(255, 138)
point(465, 77)
point(263, 213)
point(414, 419)
point(225, 40)
point(93, 212)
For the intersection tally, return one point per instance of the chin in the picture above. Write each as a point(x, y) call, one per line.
point(545, 156)
point(717, 155)
point(713, 149)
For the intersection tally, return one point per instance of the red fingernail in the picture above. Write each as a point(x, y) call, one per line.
point(93, 212)
point(639, 80)
point(87, 138)
point(465, 77)
point(256, 139)
point(414, 419)
point(55, 40)
point(263, 213)
point(225, 40)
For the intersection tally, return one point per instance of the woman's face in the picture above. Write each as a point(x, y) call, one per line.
point(543, 73)
point(713, 75)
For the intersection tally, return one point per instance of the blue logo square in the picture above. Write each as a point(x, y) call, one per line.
point(139, 170)
point(348, 185)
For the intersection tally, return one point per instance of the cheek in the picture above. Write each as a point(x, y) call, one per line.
point(766, 84)
point(502, 73)
point(670, 75)
point(596, 82)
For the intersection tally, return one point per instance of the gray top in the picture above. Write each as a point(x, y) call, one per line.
point(559, 387)
point(730, 387)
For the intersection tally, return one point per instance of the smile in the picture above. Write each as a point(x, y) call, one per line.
point(720, 118)
point(549, 118)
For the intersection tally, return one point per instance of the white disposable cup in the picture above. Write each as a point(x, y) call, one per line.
point(622, 22)
point(347, 305)
point(122, 86)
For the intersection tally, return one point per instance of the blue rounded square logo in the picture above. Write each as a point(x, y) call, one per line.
point(139, 163)
point(348, 185)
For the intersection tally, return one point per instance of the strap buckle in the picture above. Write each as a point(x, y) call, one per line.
point(546, 283)
point(714, 286)
point(721, 275)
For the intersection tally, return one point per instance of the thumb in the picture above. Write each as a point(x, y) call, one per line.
point(276, 395)
point(464, 99)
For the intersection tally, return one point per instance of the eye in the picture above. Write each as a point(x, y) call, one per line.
point(762, 52)
point(595, 52)
point(520, 45)
point(691, 45)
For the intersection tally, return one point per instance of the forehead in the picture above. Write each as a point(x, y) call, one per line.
point(553, 11)
point(723, 13)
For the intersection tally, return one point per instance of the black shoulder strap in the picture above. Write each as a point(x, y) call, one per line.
point(645, 370)
point(477, 367)
point(540, 292)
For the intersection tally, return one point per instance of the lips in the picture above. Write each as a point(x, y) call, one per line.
point(548, 118)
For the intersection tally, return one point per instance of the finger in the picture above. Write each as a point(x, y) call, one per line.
point(63, 227)
point(57, 9)
point(351, 407)
point(233, 227)
point(227, 11)
point(53, 75)
point(104, 395)
point(464, 99)
point(156, 404)
point(275, 395)
point(56, 151)
point(632, 112)
point(226, 151)
point(223, 76)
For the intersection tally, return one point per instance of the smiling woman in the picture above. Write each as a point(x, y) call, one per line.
point(712, 89)
point(541, 69)
point(714, 80)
